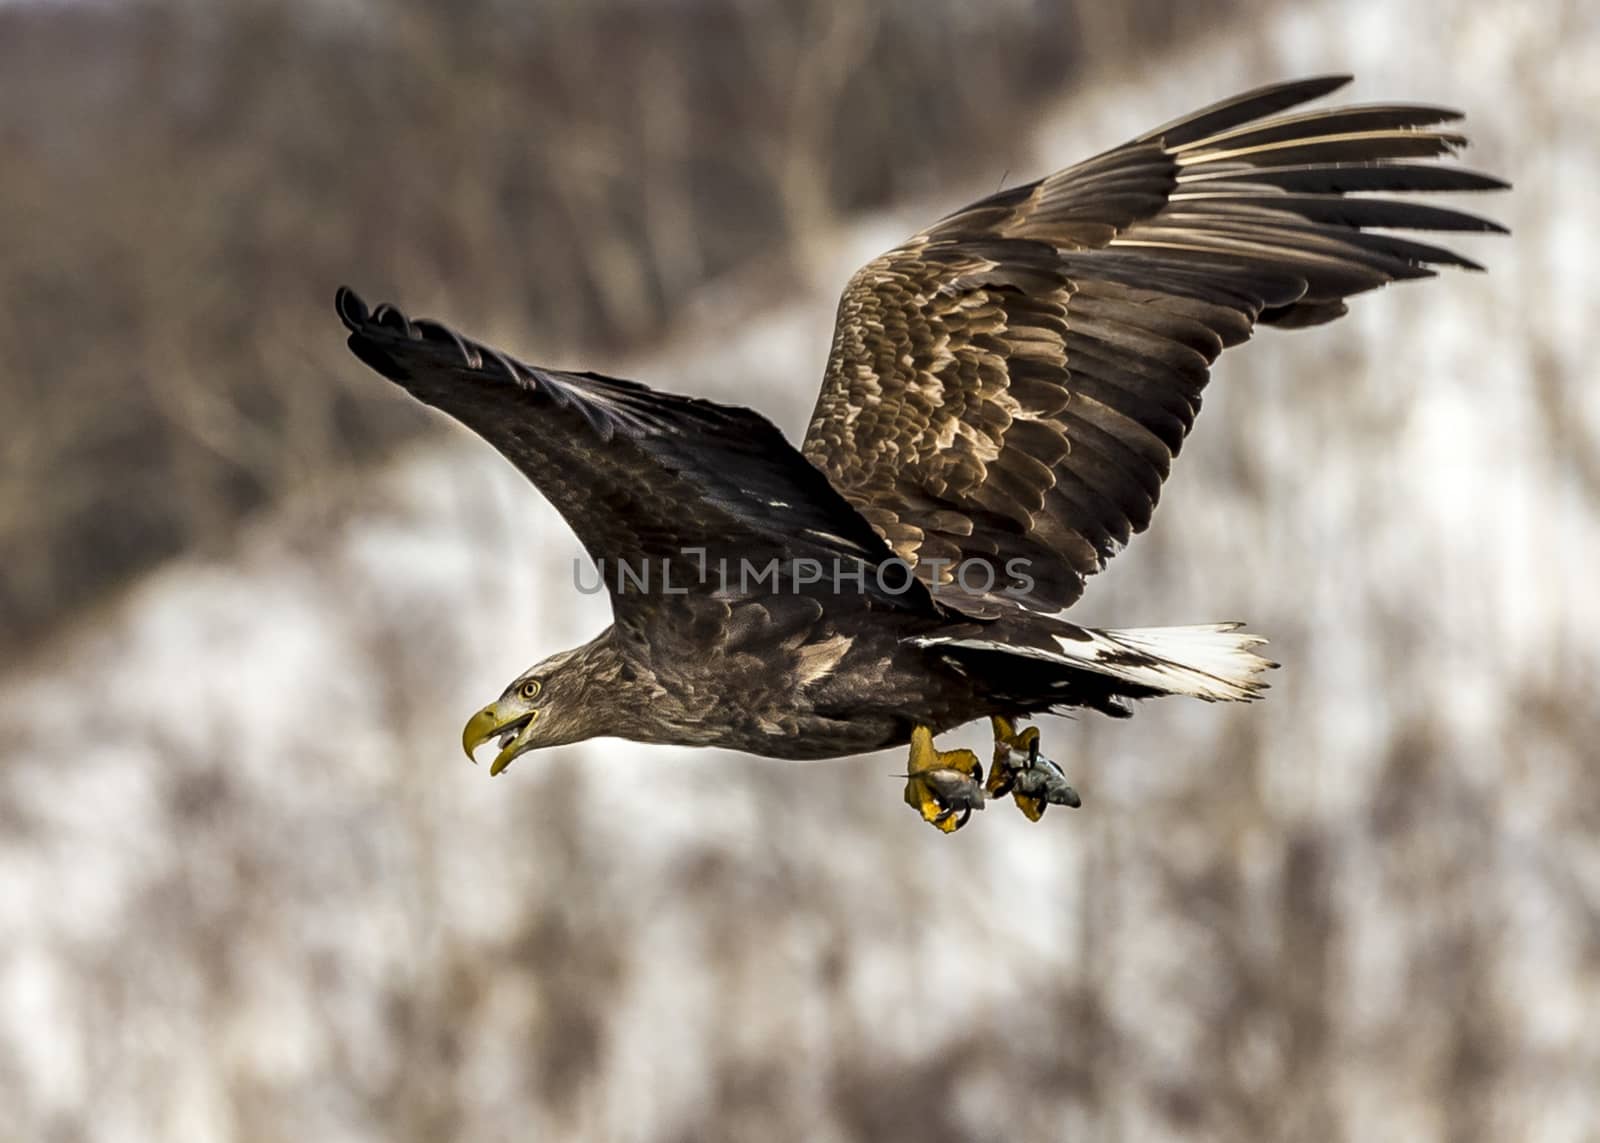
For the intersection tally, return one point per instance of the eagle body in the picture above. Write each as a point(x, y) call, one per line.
point(1004, 398)
point(786, 681)
point(790, 681)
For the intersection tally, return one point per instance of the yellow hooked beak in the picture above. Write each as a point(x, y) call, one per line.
point(512, 726)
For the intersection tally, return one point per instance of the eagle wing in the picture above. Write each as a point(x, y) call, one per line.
point(1010, 386)
point(646, 479)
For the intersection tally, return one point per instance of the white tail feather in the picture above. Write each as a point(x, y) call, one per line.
point(1211, 661)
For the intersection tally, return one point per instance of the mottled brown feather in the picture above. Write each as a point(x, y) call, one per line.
point(1014, 381)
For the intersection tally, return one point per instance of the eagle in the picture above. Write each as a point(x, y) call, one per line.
point(1004, 397)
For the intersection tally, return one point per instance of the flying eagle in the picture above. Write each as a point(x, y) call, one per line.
point(1004, 396)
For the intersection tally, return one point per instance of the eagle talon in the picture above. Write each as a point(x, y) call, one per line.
point(941, 784)
point(1033, 781)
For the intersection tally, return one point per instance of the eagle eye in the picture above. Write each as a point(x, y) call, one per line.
point(529, 689)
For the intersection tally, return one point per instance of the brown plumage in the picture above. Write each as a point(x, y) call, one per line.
point(1004, 398)
point(1015, 381)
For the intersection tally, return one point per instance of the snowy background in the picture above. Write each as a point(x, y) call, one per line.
point(249, 888)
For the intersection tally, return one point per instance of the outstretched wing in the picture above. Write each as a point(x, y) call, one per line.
point(1010, 386)
point(646, 479)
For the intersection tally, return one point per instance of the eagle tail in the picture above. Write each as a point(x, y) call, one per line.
point(1216, 662)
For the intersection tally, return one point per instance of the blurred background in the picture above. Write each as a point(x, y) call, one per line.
point(249, 889)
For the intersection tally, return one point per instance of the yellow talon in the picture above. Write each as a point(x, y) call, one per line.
point(941, 784)
point(1032, 808)
point(1006, 740)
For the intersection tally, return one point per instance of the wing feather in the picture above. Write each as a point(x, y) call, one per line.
point(645, 478)
point(1015, 380)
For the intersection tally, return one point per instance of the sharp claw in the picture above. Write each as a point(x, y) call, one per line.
point(954, 790)
point(1031, 778)
point(944, 786)
point(941, 794)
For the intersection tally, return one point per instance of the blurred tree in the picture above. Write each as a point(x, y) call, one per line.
point(186, 183)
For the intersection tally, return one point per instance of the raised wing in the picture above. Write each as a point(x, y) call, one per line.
point(1007, 390)
point(648, 480)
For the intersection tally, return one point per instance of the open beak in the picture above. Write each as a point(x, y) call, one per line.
point(495, 721)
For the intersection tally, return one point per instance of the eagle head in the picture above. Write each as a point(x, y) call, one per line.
point(564, 699)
